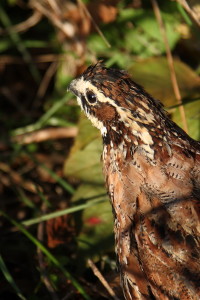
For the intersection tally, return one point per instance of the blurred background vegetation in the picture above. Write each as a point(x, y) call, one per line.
point(55, 217)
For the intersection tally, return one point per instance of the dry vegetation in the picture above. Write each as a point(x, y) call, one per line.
point(55, 218)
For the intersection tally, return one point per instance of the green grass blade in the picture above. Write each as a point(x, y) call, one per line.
point(44, 118)
point(42, 197)
point(53, 109)
point(184, 14)
point(24, 199)
point(48, 254)
point(19, 44)
point(57, 178)
point(10, 279)
point(61, 213)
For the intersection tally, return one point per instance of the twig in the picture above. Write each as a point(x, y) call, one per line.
point(43, 269)
point(6, 59)
point(55, 7)
point(68, 296)
point(46, 80)
point(190, 11)
point(45, 134)
point(13, 177)
point(102, 279)
point(66, 28)
point(170, 63)
point(82, 5)
point(25, 25)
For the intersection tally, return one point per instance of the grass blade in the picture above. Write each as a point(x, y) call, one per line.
point(19, 44)
point(48, 254)
point(60, 213)
point(44, 118)
point(57, 178)
point(10, 279)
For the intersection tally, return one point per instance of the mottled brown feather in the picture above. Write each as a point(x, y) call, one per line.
point(152, 172)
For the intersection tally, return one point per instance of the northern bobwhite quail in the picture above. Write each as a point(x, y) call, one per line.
point(152, 172)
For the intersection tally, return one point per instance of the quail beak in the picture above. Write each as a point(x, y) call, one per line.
point(72, 87)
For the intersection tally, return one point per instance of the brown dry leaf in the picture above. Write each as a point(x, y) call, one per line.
point(75, 15)
point(103, 11)
point(58, 231)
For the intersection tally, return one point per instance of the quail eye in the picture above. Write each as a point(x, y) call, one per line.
point(91, 97)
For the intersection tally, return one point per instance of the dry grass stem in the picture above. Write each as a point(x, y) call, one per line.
point(170, 63)
point(45, 135)
point(10, 177)
point(27, 24)
point(7, 59)
point(53, 18)
point(190, 11)
point(98, 274)
point(55, 6)
point(84, 8)
point(46, 80)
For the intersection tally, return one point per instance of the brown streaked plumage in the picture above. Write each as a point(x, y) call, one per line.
point(152, 172)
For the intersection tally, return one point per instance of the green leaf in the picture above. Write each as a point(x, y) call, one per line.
point(145, 38)
point(192, 111)
point(128, 14)
point(96, 44)
point(96, 222)
point(154, 75)
point(83, 163)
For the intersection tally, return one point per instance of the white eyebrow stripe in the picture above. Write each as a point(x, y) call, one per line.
point(126, 117)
